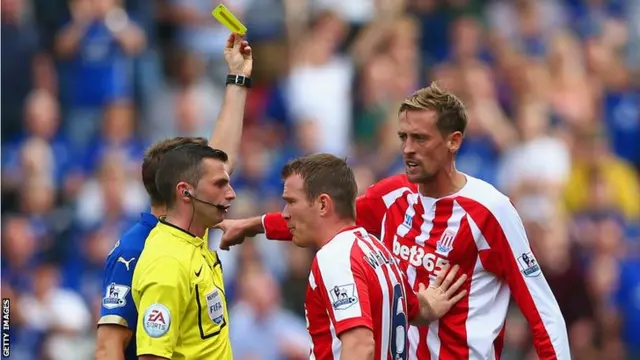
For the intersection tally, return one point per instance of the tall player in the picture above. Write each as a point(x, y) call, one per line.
point(358, 303)
point(118, 315)
point(433, 216)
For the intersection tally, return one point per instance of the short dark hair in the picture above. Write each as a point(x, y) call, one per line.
point(151, 162)
point(183, 163)
point(452, 115)
point(326, 174)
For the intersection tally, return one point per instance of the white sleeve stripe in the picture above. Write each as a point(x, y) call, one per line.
point(478, 237)
point(367, 248)
point(391, 197)
point(336, 344)
point(543, 299)
point(383, 226)
point(334, 265)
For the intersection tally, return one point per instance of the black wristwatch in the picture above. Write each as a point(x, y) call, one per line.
point(239, 80)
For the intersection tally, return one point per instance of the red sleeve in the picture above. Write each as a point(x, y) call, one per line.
point(372, 205)
point(275, 227)
point(343, 288)
point(370, 208)
point(369, 213)
point(503, 229)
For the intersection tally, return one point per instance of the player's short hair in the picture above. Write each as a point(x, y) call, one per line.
point(452, 115)
point(151, 162)
point(183, 163)
point(326, 174)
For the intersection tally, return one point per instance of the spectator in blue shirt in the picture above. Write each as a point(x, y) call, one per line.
point(117, 135)
point(99, 43)
point(42, 117)
point(20, 46)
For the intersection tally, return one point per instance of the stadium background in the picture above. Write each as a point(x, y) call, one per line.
point(552, 87)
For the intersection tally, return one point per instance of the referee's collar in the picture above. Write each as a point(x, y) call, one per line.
point(179, 232)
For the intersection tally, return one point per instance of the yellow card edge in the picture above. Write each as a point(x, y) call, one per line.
point(226, 18)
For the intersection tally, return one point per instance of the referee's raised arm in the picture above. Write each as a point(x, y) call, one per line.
point(228, 129)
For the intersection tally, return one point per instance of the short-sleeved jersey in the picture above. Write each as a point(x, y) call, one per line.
point(354, 282)
point(478, 229)
point(178, 290)
point(117, 307)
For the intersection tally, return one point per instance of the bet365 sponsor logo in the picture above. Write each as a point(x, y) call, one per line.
point(417, 257)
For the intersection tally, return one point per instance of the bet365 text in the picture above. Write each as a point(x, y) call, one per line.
point(6, 328)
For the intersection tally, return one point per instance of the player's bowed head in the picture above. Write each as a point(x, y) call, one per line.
point(195, 185)
point(319, 193)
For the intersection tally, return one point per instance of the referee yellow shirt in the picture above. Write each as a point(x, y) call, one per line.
point(179, 292)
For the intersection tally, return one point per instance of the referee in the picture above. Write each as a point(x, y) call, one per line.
point(178, 285)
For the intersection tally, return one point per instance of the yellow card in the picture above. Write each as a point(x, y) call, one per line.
point(226, 18)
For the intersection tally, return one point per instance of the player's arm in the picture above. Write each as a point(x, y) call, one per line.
point(370, 209)
point(505, 233)
point(228, 129)
point(112, 340)
point(161, 287)
point(433, 302)
point(117, 310)
point(357, 343)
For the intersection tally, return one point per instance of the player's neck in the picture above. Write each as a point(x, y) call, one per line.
point(330, 230)
point(444, 183)
point(158, 210)
point(186, 223)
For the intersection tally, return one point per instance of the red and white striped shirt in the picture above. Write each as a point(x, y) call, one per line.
point(479, 229)
point(355, 281)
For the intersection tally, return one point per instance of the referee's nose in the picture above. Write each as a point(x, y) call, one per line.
point(230, 194)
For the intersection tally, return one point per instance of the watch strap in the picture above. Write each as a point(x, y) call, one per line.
point(240, 80)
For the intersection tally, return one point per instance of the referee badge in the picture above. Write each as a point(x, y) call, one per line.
point(214, 306)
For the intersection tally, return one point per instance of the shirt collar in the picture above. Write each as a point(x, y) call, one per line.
point(148, 219)
point(179, 232)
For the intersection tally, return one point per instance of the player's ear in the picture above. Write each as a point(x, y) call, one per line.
point(454, 141)
point(324, 203)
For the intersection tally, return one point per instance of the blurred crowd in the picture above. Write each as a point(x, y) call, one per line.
point(552, 88)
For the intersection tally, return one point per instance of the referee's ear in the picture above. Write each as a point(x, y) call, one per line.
point(183, 191)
